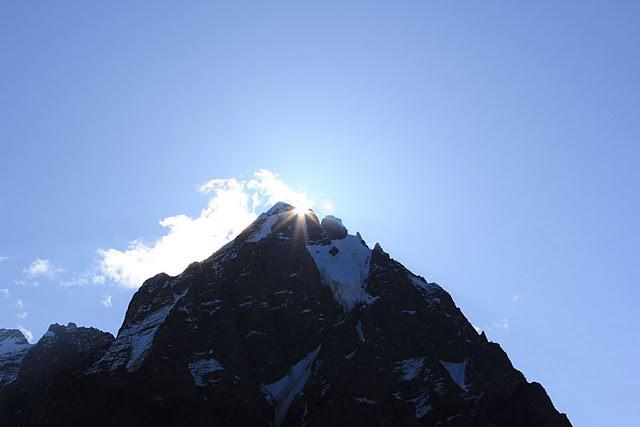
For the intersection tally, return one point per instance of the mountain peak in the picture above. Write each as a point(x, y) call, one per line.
point(11, 336)
point(13, 347)
point(334, 228)
point(269, 331)
point(280, 207)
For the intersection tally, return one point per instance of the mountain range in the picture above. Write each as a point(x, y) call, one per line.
point(295, 322)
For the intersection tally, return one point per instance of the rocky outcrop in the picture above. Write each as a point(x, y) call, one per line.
point(52, 362)
point(333, 227)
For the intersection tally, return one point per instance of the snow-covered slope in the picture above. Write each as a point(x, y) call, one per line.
point(13, 348)
point(344, 267)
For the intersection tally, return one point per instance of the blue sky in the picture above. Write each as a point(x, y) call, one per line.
point(490, 146)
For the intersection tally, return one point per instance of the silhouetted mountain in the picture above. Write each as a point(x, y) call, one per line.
point(62, 352)
point(291, 323)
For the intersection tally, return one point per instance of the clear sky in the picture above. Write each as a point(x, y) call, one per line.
point(490, 146)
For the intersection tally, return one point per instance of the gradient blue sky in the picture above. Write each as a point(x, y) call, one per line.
point(490, 146)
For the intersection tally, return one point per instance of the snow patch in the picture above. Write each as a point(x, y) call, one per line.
point(345, 273)
point(456, 372)
point(133, 343)
point(429, 288)
point(269, 219)
point(422, 405)
point(360, 333)
point(410, 368)
point(285, 390)
point(365, 400)
point(201, 369)
point(12, 345)
point(13, 348)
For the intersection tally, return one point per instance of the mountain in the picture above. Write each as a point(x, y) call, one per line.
point(13, 348)
point(294, 322)
point(61, 352)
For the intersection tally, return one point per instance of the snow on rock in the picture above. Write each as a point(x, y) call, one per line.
point(279, 207)
point(12, 344)
point(430, 289)
point(265, 228)
point(135, 338)
point(410, 368)
point(365, 400)
point(456, 372)
point(268, 219)
point(360, 333)
point(333, 227)
point(13, 348)
point(49, 335)
point(284, 391)
point(201, 370)
point(422, 405)
point(347, 271)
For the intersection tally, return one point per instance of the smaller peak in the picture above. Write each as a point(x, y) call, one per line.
point(72, 325)
point(13, 334)
point(11, 341)
point(378, 248)
point(334, 228)
point(280, 207)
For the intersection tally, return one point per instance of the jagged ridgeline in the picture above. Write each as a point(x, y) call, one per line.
point(295, 322)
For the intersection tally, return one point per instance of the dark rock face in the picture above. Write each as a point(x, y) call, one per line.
point(278, 328)
point(62, 351)
point(333, 227)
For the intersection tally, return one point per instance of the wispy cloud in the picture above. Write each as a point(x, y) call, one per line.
point(27, 333)
point(27, 283)
point(232, 205)
point(502, 324)
point(4, 292)
point(515, 298)
point(98, 279)
point(82, 279)
point(42, 267)
point(106, 301)
point(4, 258)
point(19, 306)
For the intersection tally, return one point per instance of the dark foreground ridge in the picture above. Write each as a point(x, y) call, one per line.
point(293, 323)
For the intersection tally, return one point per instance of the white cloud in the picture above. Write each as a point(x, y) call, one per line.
point(27, 333)
point(106, 301)
point(74, 281)
point(5, 292)
point(21, 282)
point(83, 279)
point(4, 258)
point(515, 298)
point(19, 306)
point(42, 267)
point(233, 205)
point(502, 324)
